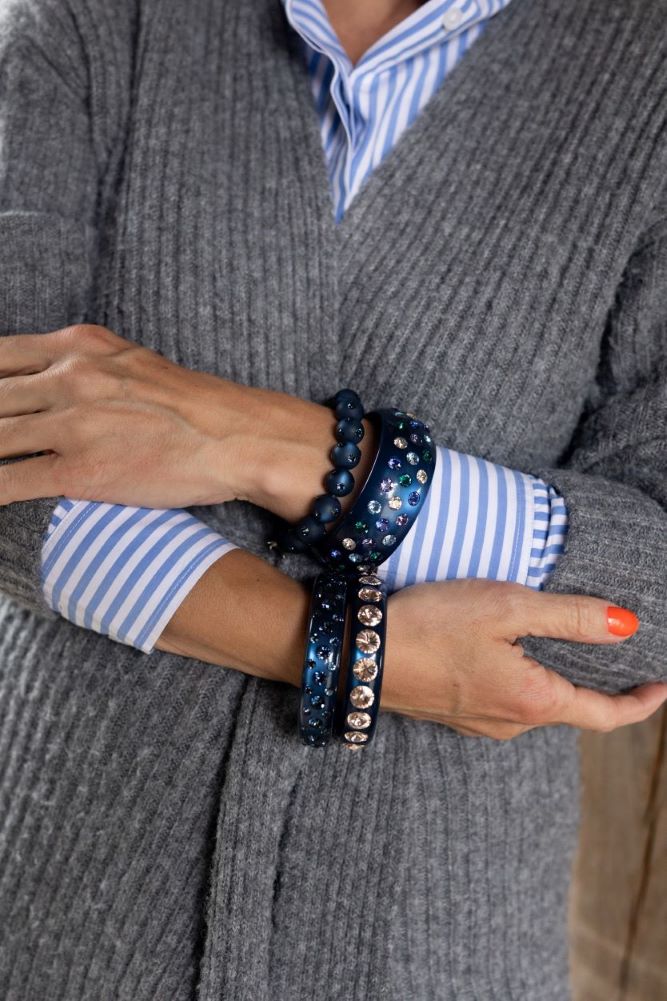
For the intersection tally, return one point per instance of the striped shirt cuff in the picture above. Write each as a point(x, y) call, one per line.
point(123, 571)
point(481, 520)
point(549, 533)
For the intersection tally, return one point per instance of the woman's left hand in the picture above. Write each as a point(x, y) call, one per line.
point(119, 422)
point(122, 424)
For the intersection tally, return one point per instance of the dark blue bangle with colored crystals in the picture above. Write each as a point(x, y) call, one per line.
point(321, 668)
point(389, 501)
point(357, 712)
point(339, 482)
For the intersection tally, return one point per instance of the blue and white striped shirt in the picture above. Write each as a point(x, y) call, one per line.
point(123, 571)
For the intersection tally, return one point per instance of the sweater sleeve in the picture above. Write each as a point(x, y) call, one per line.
point(48, 193)
point(614, 484)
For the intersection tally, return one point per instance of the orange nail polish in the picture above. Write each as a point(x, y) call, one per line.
point(621, 621)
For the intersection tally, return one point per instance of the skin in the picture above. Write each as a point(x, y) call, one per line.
point(82, 393)
point(359, 25)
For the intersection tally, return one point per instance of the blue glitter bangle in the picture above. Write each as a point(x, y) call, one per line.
point(356, 718)
point(324, 645)
point(390, 499)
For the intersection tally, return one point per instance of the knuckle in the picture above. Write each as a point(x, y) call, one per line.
point(537, 700)
point(85, 379)
point(580, 618)
point(85, 336)
point(71, 335)
point(511, 599)
point(528, 711)
point(607, 723)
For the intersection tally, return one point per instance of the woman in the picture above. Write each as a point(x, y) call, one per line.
point(207, 262)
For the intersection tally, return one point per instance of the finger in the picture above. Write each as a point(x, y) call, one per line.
point(25, 434)
point(546, 697)
point(23, 354)
point(24, 394)
point(578, 617)
point(30, 479)
point(596, 711)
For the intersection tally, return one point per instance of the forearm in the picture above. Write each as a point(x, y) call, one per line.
point(243, 614)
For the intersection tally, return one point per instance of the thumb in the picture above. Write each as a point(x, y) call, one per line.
point(578, 617)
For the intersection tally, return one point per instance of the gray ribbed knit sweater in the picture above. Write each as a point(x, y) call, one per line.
point(163, 834)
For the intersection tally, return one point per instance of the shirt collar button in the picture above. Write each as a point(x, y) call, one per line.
point(452, 18)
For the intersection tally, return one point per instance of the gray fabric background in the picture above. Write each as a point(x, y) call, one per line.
point(163, 834)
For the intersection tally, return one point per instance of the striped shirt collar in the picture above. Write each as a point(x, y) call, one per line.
point(433, 23)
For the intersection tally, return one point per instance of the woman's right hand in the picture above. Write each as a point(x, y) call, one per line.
point(452, 657)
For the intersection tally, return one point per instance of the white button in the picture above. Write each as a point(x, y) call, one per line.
point(452, 18)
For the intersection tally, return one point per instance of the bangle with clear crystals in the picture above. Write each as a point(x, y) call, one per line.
point(324, 645)
point(390, 499)
point(357, 713)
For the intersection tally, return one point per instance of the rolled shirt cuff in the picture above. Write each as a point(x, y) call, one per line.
point(481, 520)
point(123, 571)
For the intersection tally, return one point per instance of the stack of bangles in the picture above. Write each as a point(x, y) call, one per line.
point(347, 594)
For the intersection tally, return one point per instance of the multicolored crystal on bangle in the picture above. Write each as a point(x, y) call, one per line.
point(393, 496)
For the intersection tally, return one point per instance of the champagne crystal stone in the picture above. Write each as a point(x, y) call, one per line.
point(358, 721)
point(349, 544)
point(394, 503)
point(368, 641)
point(365, 669)
point(422, 475)
point(355, 737)
point(370, 594)
point(370, 615)
point(370, 579)
point(400, 443)
point(362, 697)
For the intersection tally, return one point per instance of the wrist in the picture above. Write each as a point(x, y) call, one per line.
point(287, 469)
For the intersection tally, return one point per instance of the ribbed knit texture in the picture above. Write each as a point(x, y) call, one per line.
point(163, 833)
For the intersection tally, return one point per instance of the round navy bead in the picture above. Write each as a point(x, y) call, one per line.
point(345, 395)
point(339, 482)
point(349, 429)
point(309, 530)
point(349, 408)
point(326, 508)
point(345, 456)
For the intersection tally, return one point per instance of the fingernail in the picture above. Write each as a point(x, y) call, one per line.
point(621, 621)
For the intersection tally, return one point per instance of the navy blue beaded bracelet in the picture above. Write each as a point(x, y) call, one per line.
point(339, 482)
point(324, 645)
point(356, 717)
point(389, 501)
